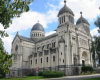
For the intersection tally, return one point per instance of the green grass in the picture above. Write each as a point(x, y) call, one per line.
point(93, 79)
point(27, 78)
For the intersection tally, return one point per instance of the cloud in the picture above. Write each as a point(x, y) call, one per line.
point(49, 33)
point(94, 32)
point(28, 19)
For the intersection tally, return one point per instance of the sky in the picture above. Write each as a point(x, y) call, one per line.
point(46, 11)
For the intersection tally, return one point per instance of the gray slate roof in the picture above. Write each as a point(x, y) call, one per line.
point(26, 39)
point(65, 9)
point(47, 37)
point(38, 27)
point(83, 20)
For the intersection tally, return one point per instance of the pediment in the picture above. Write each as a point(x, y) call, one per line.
point(82, 28)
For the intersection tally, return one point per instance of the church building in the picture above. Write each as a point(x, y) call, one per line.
point(66, 50)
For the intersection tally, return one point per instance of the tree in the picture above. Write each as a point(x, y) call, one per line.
point(10, 9)
point(97, 23)
point(97, 46)
point(93, 50)
point(5, 60)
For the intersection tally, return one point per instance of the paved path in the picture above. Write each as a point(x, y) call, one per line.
point(76, 77)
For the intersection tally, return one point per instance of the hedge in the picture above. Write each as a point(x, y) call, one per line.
point(87, 68)
point(52, 74)
point(40, 74)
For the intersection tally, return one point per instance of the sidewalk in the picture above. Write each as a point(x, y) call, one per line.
point(78, 76)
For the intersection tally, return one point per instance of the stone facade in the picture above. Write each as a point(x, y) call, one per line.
point(66, 50)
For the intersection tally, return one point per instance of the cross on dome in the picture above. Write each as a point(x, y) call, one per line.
point(65, 1)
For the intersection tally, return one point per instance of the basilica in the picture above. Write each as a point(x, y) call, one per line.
point(66, 50)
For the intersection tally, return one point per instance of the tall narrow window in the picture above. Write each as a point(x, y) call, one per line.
point(36, 61)
point(64, 18)
point(47, 59)
point(60, 20)
point(63, 60)
point(61, 53)
point(53, 58)
point(31, 62)
point(41, 60)
point(54, 44)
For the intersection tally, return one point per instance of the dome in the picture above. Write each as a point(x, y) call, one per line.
point(38, 27)
point(83, 21)
point(65, 9)
point(61, 40)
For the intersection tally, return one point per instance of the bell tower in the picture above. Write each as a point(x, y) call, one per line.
point(65, 14)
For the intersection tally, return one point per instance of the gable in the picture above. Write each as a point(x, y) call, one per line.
point(82, 28)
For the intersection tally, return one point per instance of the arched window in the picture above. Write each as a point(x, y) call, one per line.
point(53, 58)
point(31, 62)
point(47, 59)
point(41, 60)
point(38, 34)
point(63, 60)
point(42, 47)
point(64, 18)
point(34, 34)
point(60, 20)
point(47, 46)
point(61, 53)
point(54, 44)
point(36, 61)
point(16, 48)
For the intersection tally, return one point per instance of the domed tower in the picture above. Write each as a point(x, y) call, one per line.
point(65, 14)
point(82, 20)
point(37, 32)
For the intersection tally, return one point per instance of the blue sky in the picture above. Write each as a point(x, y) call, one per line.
point(45, 11)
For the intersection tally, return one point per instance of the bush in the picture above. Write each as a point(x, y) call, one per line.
point(52, 74)
point(87, 68)
point(40, 74)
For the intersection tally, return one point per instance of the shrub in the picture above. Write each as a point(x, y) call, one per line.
point(52, 74)
point(40, 74)
point(87, 68)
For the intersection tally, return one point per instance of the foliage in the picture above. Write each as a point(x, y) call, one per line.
point(93, 50)
point(40, 74)
point(10, 9)
point(52, 74)
point(87, 68)
point(97, 46)
point(97, 23)
point(5, 60)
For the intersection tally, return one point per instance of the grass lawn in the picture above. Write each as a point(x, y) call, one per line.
point(27, 78)
point(93, 79)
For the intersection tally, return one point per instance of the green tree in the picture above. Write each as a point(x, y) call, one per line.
point(97, 46)
point(10, 9)
point(93, 50)
point(97, 23)
point(5, 60)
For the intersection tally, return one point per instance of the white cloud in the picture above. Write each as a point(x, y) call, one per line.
point(94, 32)
point(49, 33)
point(28, 19)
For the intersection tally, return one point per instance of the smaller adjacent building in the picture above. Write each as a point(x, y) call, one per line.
point(66, 50)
